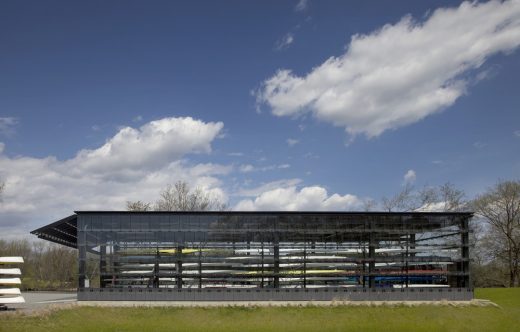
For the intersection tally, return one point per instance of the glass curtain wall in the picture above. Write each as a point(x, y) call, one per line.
point(270, 250)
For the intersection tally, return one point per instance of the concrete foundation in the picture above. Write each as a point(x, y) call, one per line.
point(341, 294)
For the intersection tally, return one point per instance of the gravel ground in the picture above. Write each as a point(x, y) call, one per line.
point(475, 302)
point(42, 300)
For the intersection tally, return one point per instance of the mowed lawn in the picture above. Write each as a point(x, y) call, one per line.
point(506, 317)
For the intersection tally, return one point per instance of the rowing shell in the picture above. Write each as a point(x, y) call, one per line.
point(11, 260)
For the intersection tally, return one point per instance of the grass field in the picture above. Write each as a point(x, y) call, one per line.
point(506, 317)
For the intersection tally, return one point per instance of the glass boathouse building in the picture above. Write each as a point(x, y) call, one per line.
point(248, 256)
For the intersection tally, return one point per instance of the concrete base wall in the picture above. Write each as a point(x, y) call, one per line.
point(334, 294)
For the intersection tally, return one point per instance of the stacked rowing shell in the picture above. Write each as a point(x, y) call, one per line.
point(10, 281)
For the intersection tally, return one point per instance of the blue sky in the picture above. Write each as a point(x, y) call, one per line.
point(311, 105)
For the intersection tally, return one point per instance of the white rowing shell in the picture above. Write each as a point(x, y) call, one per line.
point(10, 291)
point(15, 272)
point(12, 300)
point(11, 260)
point(10, 281)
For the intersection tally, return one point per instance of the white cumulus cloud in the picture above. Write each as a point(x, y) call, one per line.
point(410, 176)
point(314, 198)
point(135, 164)
point(400, 73)
point(148, 147)
point(256, 191)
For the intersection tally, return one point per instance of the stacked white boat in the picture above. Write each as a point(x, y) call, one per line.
point(10, 281)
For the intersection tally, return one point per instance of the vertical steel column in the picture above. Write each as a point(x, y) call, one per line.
point(276, 267)
point(464, 237)
point(409, 246)
point(155, 281)
point(363, 266)
point(262, 253)
point(179, 266)
point(115, 264)
point(371, 253)
point(102, 264)
point(200, 266)
point(404, 268)
point(276, 253)
point(305, 264)
point(82, 255)
point(371, 257)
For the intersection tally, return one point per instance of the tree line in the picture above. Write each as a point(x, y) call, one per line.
point(47, 266)
point(494, 231)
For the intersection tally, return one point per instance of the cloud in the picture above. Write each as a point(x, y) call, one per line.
point(247, 168)
point(314, 198)
point(432, 207)
point(148, 147)
point(517, 133)
point(7, 125)
point(285, 42)
point(138, 118)
point(235, 154)
point(410, 176)
point(135, 164)
point(292, 142)
point(311, 155)
point(479, 145)
point(284, 183)
point(401, 73)
point(301, 5)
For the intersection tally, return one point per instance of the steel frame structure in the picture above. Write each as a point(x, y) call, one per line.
point(263, 251)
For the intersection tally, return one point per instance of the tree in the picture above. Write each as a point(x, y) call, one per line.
point(46, 266)
point(453, 199)
point(369, 204)
point(138, 206)
point(180, 197)
point(402, 201)
point(444, 198)
point(499, 207)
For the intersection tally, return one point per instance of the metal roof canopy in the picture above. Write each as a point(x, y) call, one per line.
point(64, 231)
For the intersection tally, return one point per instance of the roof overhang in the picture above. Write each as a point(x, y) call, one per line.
point(63, 231)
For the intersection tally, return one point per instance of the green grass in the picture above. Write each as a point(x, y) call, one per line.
point(506, 317)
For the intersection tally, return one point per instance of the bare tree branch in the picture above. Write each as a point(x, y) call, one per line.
point(138, 206)
point(402, 201)
point(499, 207)
point(180, 197)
